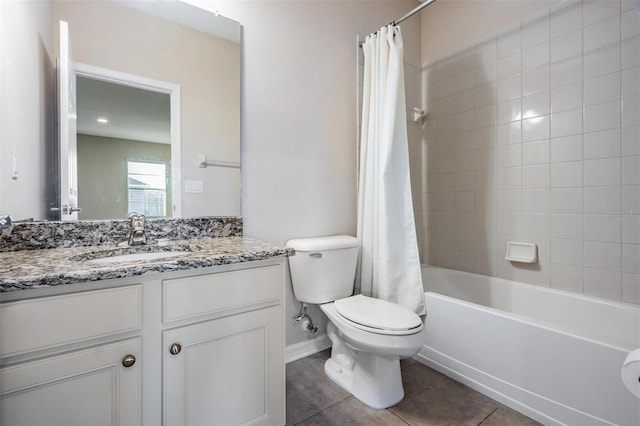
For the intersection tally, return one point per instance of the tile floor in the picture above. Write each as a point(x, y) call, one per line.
point(430, 399)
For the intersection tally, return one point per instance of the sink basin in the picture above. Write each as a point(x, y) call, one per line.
point(132, 257)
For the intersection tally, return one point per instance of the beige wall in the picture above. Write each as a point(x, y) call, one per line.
point(102, 173)
point(451, 25)
point(207, 69)
point(26, 107)
point(299, 115)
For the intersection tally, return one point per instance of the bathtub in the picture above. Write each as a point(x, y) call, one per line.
point(552, 355)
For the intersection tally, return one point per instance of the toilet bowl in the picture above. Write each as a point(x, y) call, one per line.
point(365, 362)
point(369, 336)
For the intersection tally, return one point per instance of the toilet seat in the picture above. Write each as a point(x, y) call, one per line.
point(378, 316)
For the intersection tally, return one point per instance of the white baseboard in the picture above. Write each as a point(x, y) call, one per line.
point(306, 348)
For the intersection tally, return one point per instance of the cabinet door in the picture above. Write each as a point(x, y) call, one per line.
point(229, 371)
point(88, 387)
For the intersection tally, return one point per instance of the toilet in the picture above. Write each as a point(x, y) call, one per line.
point(369, 336)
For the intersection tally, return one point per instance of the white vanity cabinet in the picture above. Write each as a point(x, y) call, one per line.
point(97, 382)
point(228, 370)
point(195, 347)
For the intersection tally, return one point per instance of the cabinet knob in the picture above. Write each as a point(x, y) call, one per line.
point(128, 360)
point(175, 349)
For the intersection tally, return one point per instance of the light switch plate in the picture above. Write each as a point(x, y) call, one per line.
point(193, 186)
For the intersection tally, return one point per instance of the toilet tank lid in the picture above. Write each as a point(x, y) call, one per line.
point(333, 242)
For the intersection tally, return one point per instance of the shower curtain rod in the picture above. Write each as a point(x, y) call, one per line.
point(406, 16)
point(412, 12)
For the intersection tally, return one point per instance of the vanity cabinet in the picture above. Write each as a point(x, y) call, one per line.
point(194, 347)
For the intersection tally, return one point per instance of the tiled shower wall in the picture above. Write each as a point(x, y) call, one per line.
point(533, 136)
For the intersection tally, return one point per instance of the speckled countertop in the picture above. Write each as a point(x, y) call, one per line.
point(28, 269)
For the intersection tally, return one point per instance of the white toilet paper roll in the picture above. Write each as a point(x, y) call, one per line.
point(631, 372)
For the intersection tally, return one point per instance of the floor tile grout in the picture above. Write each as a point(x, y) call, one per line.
point(490, 414)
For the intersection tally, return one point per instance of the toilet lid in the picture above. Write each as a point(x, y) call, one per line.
point(377, 313)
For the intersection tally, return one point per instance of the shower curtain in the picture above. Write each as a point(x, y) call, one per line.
point(389, 258)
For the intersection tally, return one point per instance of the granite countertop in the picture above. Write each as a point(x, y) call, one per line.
point(28, 269)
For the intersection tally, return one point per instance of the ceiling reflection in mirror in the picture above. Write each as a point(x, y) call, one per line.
point(167, 41)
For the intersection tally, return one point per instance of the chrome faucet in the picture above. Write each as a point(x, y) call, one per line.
point(5, 221)
point(136, 229)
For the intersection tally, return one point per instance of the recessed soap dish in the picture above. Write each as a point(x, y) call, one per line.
point(521, 252)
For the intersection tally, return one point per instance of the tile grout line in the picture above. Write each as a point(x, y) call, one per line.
point(489, 415)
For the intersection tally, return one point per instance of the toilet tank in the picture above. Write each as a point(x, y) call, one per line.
point(323, 268)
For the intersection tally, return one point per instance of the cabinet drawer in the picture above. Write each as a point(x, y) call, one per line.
point(191, 297)
point(42, 323)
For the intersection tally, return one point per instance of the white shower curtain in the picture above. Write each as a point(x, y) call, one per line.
point(389, 262)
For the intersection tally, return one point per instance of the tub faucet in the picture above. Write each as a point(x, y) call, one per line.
point(136, 229)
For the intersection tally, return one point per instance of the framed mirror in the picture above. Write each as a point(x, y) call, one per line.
point(159, 40)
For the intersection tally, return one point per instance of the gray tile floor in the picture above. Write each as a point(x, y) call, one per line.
point(430, 399)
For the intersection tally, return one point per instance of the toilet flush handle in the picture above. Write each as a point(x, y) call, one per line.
point(316, 255)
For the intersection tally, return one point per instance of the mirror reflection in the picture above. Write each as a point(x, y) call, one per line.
point(166, 41)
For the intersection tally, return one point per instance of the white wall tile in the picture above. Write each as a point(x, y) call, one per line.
point(535, 31)
point(535, 177)
point(631, 53)
point(566, 200)
point(509, 223)
point(598, 227)
point(602, 89)
point(602, 255)
point(509, 66)
point(464, 101)
point(509, 110)
point(509, 155)
point(602, 144)
point(597, 10)
point(631, 82)
point(566, 46)
point(538, 80)
point(535, 57)
point(566, 175)
point(602, 199)
point(631, 288)
point(486, 52)
point(565, 20)
point(508, 42)
point(631, 111)
point(509, 88)
point(602, 61)
point(535, 153)
point(534, 135)
point(567, 226)
point(509, 201)
point(568, 148)
point(602, 172)
point(566, 123)
point(603, 116)
point(535, 128)
point(509, 133)
point(602, 33)
point(631, 258)
point(565, 72)
point(535, 104)
point(566, 277)
point(601, 283)
point(631, 228)
point(631, 170)
point(535, 224)
point(566, 252)
point(509, 178)
point(566, 97)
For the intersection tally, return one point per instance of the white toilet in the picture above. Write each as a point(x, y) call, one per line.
point(369, 335)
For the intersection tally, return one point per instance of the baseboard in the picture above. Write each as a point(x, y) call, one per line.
point(303, 349)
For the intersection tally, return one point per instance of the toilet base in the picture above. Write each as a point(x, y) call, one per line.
point(373, 379)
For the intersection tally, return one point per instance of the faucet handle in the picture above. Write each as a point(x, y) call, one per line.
point(5, 221)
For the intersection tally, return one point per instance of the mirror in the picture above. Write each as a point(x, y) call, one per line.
point(167, 41)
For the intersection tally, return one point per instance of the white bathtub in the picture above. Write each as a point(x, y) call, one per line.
point(552, 355)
